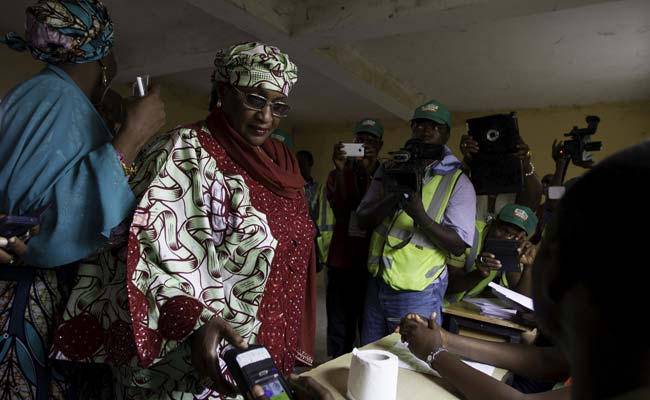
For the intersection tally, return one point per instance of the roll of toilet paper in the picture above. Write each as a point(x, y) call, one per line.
point(373, 375)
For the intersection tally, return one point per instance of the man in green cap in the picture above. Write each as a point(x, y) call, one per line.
point(343, 245)
point(476, 268)
point(416, 231)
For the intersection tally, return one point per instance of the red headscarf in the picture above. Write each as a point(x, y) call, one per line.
point(281, 176)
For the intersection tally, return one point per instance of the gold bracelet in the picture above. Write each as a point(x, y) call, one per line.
point(128, 171)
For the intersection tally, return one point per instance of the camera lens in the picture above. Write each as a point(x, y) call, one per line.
point(492, 135)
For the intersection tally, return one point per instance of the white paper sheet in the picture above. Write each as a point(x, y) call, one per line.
point(511, 295)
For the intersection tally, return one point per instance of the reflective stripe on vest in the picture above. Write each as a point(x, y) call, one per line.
point(325, 222)
point(415, 264)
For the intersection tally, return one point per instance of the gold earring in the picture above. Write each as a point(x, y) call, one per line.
point(104, 73)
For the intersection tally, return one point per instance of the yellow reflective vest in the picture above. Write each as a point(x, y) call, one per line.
point(325, 222)
point(405, 257)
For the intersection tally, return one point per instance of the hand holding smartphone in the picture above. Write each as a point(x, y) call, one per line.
point(353, 150)
point(140, 86)
point(254, 366)
point(505, 251)
point(20, 225)
point(16, 226)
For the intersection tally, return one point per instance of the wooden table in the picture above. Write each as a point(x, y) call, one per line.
point(410, 384)
point(468, 316)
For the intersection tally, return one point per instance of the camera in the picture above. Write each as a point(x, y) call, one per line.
point(406, 172)
point(578, 148)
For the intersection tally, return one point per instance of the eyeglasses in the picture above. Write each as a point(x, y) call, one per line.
point(256, 102)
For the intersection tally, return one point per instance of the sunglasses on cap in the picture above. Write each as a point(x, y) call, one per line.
point(256, 102)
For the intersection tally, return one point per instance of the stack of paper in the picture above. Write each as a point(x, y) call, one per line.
point(494, 308)
point(517, 299)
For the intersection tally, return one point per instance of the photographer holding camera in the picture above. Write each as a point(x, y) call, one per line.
point(347, 255)
point(530, 194)
point(576, 150)
point(414, 232)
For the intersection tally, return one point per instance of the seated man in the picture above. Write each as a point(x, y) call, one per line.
point(476, 268)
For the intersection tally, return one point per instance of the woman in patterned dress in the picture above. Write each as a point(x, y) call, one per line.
point(220, 248)
point(58, 155)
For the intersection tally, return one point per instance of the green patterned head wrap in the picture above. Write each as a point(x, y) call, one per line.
point(255, 64)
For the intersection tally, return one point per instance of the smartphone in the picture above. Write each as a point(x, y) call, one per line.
point(353, 149)
point(254, 366)
point(556, 192)
point(504, 251)
point(13, 225)
point(19, 225)
point(140, 86)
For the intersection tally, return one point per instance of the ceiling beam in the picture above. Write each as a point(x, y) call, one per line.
point(341, 64)
point(328, 23)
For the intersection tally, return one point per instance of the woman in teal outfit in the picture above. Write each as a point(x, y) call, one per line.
point(58, 154)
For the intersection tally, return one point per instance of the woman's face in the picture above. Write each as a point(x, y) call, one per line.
point(253, 125)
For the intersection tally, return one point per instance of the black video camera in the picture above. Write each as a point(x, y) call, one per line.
point(578, 148)
point(406, 171)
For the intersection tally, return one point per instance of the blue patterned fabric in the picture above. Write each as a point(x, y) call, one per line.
point(30, 304)
point(65, 31)
point(56, 149)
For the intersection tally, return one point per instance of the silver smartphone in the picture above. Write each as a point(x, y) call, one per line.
point(140, 86)
point(353, 149)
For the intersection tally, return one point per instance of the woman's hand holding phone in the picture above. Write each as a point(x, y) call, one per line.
point(13, 247)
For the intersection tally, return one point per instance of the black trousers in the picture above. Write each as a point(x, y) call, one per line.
point(346, 291)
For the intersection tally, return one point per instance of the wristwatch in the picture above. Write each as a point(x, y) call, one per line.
point(432, 356)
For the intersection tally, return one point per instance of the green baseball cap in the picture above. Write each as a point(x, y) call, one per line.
point(520, 216)
point(434, 111)
point(284, 137)
point(371, 126)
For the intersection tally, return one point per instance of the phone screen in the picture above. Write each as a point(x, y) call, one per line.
point(254, 366)
point(273, 388)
